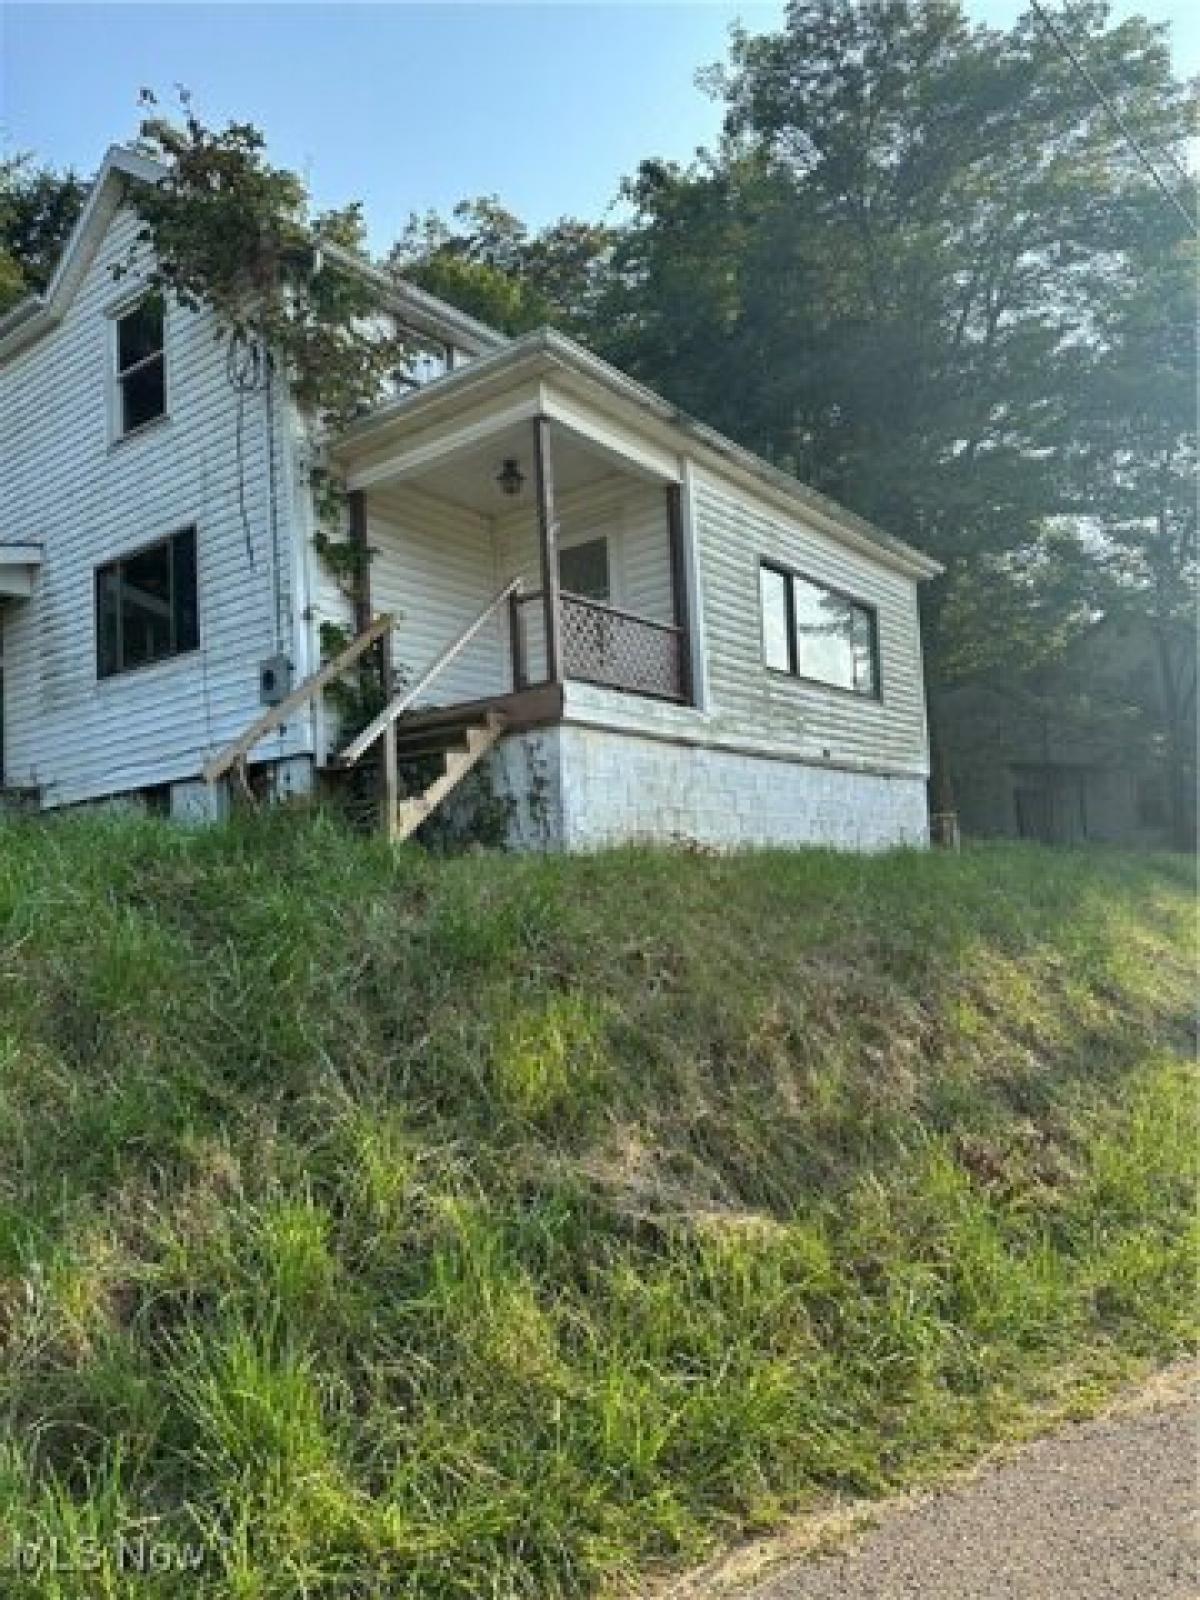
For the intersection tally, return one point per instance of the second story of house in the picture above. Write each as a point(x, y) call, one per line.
point(151, 493)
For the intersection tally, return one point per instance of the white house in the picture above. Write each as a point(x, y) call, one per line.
point(640, 630)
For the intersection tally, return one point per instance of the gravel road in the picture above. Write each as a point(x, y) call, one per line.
point(1102, 1510)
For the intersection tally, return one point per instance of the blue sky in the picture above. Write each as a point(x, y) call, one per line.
point(408, 106)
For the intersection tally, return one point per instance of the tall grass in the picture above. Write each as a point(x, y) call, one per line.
point(378, 1225)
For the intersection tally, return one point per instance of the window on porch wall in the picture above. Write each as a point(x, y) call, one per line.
point(584, 569)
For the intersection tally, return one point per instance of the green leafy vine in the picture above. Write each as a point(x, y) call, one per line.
point(232, 233)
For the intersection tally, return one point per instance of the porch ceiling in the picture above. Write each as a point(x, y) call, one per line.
point(452, 437)
point(469, 477)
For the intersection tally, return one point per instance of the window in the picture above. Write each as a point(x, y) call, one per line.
point(146, 605)
point(140, 365)
point(583, 570)
point(776, 618)
point(422, 365)
point(814, 632)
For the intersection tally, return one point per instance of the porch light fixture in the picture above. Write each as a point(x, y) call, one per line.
point(510, 477)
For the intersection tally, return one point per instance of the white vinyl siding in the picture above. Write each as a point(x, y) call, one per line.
point(435, 567)
point(735, 532)
point(88, 500)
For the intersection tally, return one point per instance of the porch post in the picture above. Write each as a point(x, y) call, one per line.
point(389, 756)
point(548, 536)
point(362, 578)
point(679, 590)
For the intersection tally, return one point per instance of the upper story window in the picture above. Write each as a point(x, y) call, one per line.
point(146, 605)
point(814, 632)
point(140, 365)
point(423, 364)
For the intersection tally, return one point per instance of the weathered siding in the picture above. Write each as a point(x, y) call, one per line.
point(86, 500)
point(734, 531)
point(435, 567)
point(634, 517)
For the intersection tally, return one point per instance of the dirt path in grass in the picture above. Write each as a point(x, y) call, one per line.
point(1100, 1510)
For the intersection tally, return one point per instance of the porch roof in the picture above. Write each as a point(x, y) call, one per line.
point(546, 374)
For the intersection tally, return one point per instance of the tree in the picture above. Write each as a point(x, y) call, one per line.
point(902, 272)
point(231, 232)
point(38, 209)
point(1134, 467)
point(488, 263)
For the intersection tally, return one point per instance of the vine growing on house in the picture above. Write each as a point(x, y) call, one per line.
point(230, 232)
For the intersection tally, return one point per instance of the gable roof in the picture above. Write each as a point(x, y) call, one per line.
point(37, 314)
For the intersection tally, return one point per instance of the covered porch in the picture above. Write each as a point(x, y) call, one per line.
point(509, 499)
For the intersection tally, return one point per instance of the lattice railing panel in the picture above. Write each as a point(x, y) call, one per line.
point(611, 647)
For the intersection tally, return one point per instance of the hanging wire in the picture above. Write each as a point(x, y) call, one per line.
point(273, 497)
point(246, 371)
point(1111, 107)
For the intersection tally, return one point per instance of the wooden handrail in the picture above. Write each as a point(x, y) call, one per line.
point(401, 702)
point(303, 692)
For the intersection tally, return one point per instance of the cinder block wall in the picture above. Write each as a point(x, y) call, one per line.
point(580, 788)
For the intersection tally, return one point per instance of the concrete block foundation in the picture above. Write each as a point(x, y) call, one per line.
point(585, 788)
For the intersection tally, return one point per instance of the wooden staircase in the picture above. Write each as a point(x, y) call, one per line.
point(460, 735)
point(460, 741)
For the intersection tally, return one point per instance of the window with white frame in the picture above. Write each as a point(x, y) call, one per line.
point(422, 364)
point(140, 366)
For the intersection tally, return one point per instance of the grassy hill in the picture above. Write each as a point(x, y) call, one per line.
point(503, 1227)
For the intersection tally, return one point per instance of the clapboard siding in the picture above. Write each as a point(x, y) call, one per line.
point(632, 515)
point(86, 501)
point(734, 531)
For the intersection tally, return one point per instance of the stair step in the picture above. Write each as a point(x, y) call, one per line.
point(411, 813)
point(430, 743)
point(473, 714)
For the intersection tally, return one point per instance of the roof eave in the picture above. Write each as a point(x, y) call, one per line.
point(545, 352)
point(39, 312)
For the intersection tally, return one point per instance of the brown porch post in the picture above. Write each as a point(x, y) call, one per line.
point(364, 605)
point(548, 533)
point(679, 591)
point(362, 575)
point(516, 651)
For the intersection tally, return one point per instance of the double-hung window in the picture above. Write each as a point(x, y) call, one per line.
point(817, 633)
point(146, 605)
point(140, 363)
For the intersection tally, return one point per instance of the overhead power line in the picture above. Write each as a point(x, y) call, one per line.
point(1113, 110)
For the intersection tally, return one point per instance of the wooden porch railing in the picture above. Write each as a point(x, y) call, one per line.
point(617, 649)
